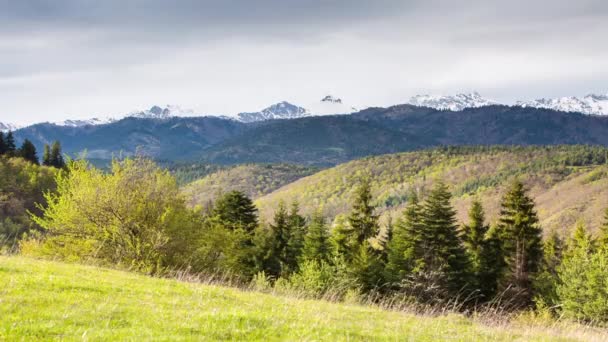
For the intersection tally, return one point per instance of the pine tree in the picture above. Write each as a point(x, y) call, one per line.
point(474, 234)
point(546, 280)
point(603, 234)
point(341, 238)
point(280, 231)
point(441, 244)
point(28, 152)
point(46, 156)
point(521, 242)
point(406, 238)
point(317, 245)
point(296, 232)
point(56, 159)
point(583, 275)
point(236, 211)
point(491, 264)
point(2, 144)
point(11, 147)
point(362, 220)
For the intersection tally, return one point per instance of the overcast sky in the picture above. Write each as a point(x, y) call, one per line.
point(82, 58)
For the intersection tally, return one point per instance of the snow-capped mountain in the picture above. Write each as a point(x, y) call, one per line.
point(590, 104)
point(281, 110)
point(454, 102)
point(155, 112)
point(5, 127)
point(328, 105)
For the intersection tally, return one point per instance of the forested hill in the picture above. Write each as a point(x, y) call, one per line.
point(567, 182)
point(324, 140)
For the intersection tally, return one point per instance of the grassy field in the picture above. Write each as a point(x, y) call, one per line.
point(42, 300)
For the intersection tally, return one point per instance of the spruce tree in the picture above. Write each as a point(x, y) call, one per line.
point(341, 238)
point(521, 242)
point(280, 231)
point(56, 158)
point(546, 280)
point(11, 147)
point(317, 245)
point(603, 234)
point(404, 247)
point(28, 152)
point(295, 242)
point(443, 252)
point(236, 211)
point(475, 234)
point(491, 264)
point(2, 144)
point(583, 275)
point(362, 220)
point(46, 156)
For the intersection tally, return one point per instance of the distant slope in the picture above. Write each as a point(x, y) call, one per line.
point(567, 182)
point(253, 179)
point(374, 131)
point(44, 300)
point(324, 140)
point(169, 139)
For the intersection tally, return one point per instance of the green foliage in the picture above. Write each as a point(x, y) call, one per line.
point(406, 242)
point(583, 279)
point(134, 216)
point(317, 245)
point(546, 280)
point(236, 211)
point(255, 180)
point(362, 220)
point(28, 152)
point(22, 185)
point(521, 242)
point(440, 242)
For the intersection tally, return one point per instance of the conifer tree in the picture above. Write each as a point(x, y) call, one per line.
point(474, 234)
point(603, 234)
point(11, 147)
point(56, 158)
point(362, 220)
point(441, 244)
point(317, 241)
point(402, 248)
point(236, 211)
point(46, 156)
point(521, 242)
point(296, 232)
point(280, 231)
point(28, 152)
point(583, 275)
point(546, 280)
point(491, 264)
point(341, 238)
point(2, 144)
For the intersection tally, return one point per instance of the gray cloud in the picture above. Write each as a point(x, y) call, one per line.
point(85, 57)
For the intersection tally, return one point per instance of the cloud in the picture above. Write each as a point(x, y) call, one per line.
point(85, 57)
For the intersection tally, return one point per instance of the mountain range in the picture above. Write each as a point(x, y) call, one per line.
point(321, 140)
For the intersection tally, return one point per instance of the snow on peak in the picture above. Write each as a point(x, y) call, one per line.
point(5, 127)
point(156, 112)
point(281, 110)
point(329, 105)
point(590, 104)
point(454, 102)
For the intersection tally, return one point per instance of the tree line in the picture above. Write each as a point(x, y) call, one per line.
point(52, 155)
point(135, 217)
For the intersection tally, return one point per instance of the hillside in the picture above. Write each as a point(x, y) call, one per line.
point(255, 180)
point(49, 300)
point(567, 182)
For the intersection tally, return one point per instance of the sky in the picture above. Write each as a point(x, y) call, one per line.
point(78, 59)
